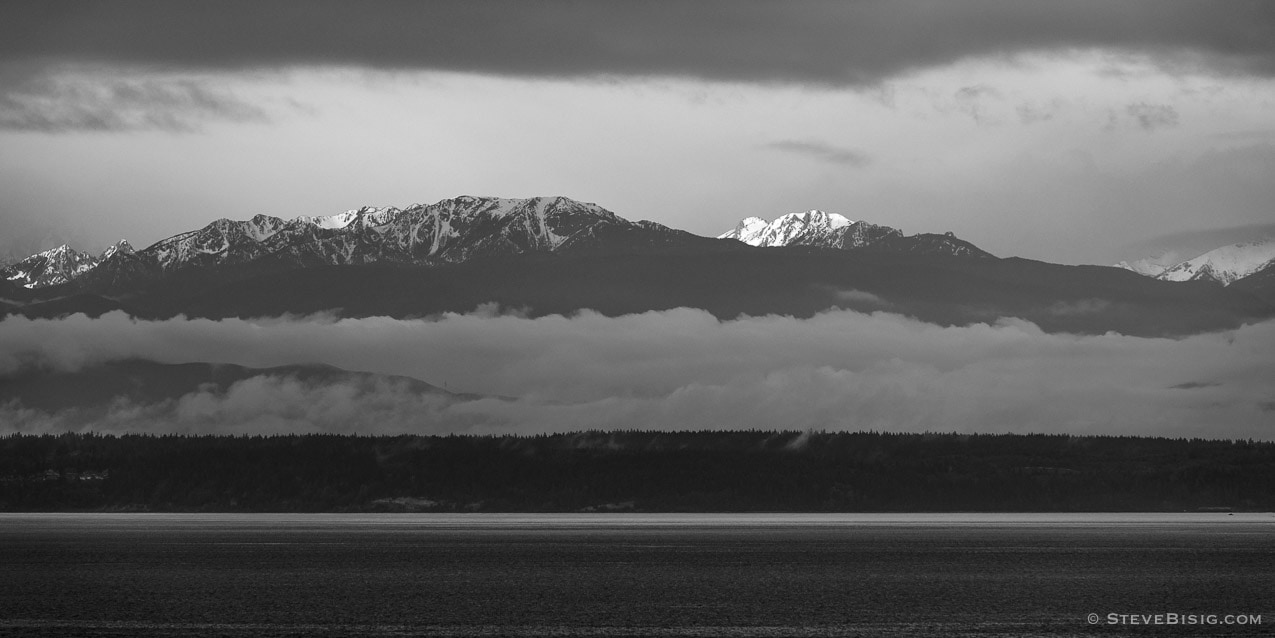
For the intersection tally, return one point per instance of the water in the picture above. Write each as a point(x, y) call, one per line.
point(620, 575)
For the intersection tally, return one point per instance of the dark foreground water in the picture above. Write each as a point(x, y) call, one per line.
point(619, 575)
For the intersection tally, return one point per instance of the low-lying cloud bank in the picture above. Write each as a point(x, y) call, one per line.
point(677, 369)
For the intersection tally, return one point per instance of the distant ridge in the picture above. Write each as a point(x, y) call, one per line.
point(554, 255)
point(450, 231)
point(58, 265)
point(831, 230)
point(1224, 265)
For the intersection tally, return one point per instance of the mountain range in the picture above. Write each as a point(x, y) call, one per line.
point(451, 231)
point(448, 232)
point(547, 255)
point(58, 265)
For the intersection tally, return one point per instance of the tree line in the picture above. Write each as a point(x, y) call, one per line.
point(704, 471)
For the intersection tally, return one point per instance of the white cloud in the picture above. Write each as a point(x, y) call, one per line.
point(683, 369)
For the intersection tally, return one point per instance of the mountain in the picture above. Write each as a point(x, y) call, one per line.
point(543, 256)
point(451, 231)
point(58, 265)
point(1150, 266)
point(810, 228)
point(797, 281)
point(830, 230)
point(1260, 284)
point(448, 232)
point(1224, 265)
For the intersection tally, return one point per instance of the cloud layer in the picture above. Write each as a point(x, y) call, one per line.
point(834, 43)
point(679, 369)
point(821, 152)
point(107, 102)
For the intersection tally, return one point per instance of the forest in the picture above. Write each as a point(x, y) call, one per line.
point(641, 471)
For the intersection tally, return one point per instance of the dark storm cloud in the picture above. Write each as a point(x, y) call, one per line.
point(822, 152)
point(832, 43)
point(677, 369)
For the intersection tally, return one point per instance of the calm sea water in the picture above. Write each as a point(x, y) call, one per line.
point(621, 575)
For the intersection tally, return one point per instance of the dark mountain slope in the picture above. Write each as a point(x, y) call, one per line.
point(1260, 284)
point(756, 281)
point(451, 231)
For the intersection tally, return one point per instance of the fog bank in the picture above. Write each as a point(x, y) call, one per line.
point(677, 369)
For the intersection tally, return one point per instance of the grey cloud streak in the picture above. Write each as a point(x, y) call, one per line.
point(832, 43)
point(821, 152)
point(1153, 116)
point(678, 369)
point(1193, 243)
point(259, 405)
point(60, 103)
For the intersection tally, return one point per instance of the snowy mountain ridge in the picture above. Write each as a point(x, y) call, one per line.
point(58, 265)
point(831, 230)
point(449, 231)
point(1150, 266)
point(805, 228)
point(1224, 265)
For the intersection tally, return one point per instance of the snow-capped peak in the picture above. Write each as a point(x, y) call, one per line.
point(122, 246)
point(376, 216)
point(746, 226)
point(1151, 266)
point(1226, 264)
point(792, 228)
point(815, 216)
point(821, 229)
point(51, 267)
point(330, 222)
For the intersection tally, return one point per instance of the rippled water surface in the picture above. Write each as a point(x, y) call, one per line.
point(619, 575)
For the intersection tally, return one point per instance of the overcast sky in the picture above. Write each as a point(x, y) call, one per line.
point(1075, 132)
